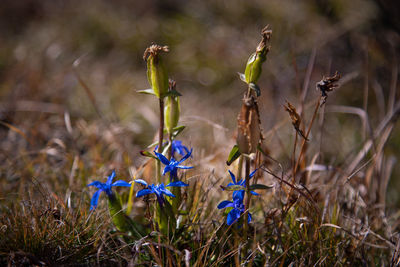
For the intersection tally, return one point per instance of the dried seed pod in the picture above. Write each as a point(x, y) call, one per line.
point(327, 84)
point(249, 132)
point(156, 73)
point(172, 109)
point(254, 63)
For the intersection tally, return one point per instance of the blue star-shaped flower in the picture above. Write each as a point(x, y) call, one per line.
point(179, 148)
point(173, 165)
point(160, 190)
point(106, 187)
point(236, 212)
point(241, 182)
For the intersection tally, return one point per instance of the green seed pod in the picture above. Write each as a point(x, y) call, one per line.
point(253, 67)
point(156, 72)
point(171, 114)
point(254, 63)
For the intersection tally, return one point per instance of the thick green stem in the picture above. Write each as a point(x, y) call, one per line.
point(160, 140)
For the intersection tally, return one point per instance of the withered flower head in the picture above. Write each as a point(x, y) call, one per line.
point(327, 84)
point(295, 117)
point(154, 50)
point(266, 36)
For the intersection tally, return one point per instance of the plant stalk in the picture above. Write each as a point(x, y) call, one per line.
point(248, 194)
point(306, 136)
point(160, 140)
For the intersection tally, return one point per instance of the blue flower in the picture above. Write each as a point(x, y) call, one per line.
point(173, 165)
point(241, 182)
point(236, 212)
point(160, 190)
point(106, 187)
point(179, 148)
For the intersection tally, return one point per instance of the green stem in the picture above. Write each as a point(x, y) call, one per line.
point(160, 140)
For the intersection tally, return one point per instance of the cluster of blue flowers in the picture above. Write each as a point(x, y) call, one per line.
point(172, 167)
point(160, 190)
point(237, 205)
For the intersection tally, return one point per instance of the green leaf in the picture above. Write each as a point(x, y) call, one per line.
point(147, 92)
point(233, 187)
point(255, 87)
point(152, 145)
point(148, 154)
point(260, 186)
point(233, 155)
point(177, 130)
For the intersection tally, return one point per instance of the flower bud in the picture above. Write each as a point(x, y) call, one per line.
point(156, 73)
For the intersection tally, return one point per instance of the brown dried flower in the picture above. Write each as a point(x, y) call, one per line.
point(327, 84)
point(154, 50)
point(295, 117)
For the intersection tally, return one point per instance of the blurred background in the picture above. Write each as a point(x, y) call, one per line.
point(69, 72)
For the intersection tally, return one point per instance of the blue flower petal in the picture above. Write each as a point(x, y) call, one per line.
point(254, 193)
point(162, 158)
point(179, 148)
point(110, 178)
point(225, 204)
point(140, 181)
point(121, 183)
point(144, 192)
point(184, 167)
point(186, 156)
point(177, 184)
point(239, 195)
point(249, 218)
point(166, 192)
point(252, 174)
point(233, 215)
point(233, 177)
point(97, 184)
point(168, 168)
point(95, 199)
